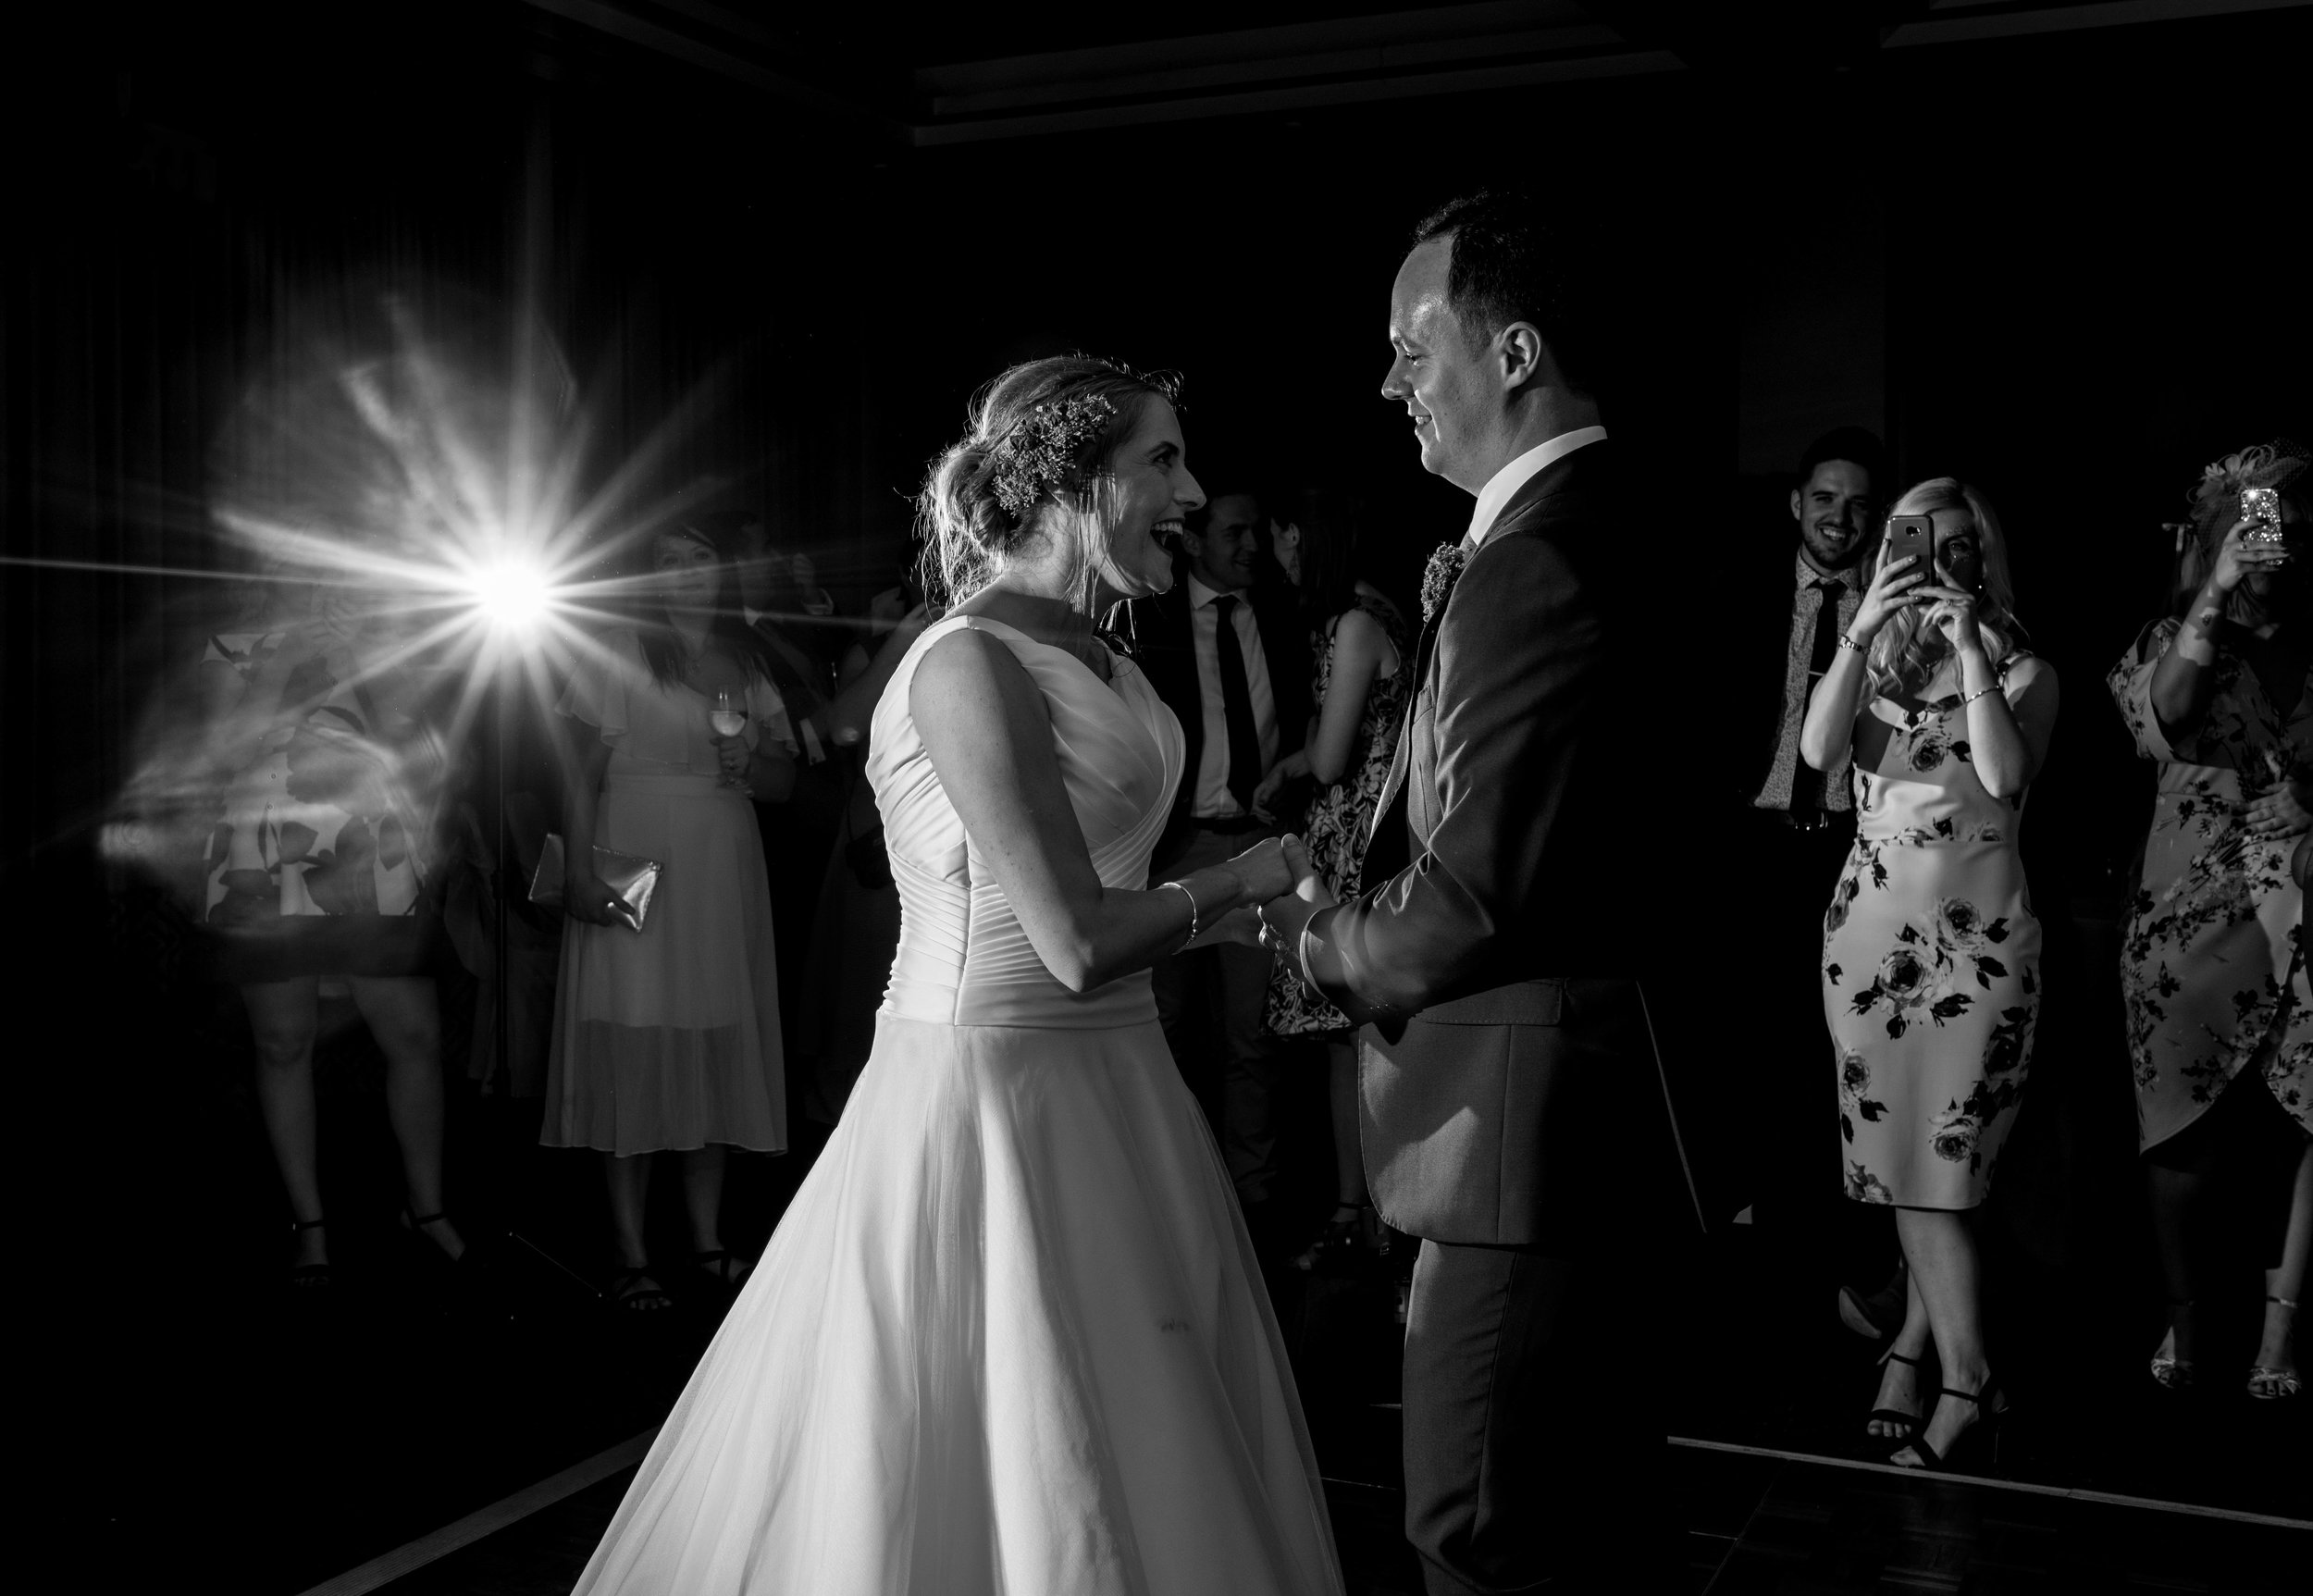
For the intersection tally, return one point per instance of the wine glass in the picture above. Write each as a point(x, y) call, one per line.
point(728, 717)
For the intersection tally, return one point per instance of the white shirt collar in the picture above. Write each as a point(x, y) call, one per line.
point(1200, 595)
point(1504, 484)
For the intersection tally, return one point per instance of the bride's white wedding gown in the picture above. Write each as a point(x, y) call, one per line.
point(1009, 1337)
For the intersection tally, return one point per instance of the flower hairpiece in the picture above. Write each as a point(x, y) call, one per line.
point(1043, 450)
point(2274, 465)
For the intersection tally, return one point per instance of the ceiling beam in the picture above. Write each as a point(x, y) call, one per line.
point(1964, 21)
point(617, 22)
point(1435, 51)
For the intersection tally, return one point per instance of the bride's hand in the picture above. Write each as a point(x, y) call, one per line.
point(1264, 871)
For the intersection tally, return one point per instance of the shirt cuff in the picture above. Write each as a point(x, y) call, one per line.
point(1315, 933)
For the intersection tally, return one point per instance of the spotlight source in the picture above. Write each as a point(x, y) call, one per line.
point(512, 595)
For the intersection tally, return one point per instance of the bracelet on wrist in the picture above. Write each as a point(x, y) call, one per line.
point(1980, 692)
point(1848, 642)
point(1182, 888)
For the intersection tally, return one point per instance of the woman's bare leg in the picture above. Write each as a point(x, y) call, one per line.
point(1945, 1274)
point(2175, 1199)
point(281, 1016)
point(1900, 1383)
point(406, 1024)
point(702, 1197)
point(628, 1182)
point(2276, 1348)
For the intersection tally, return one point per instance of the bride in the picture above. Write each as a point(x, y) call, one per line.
point(1009, 1336)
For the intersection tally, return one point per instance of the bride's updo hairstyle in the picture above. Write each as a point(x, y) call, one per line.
point(1040, 439)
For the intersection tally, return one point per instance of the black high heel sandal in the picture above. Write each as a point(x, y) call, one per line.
point(1909, 1424)
point(2169, 1371)
point(726, 1270)
point(628, 1293)
point(1979, 1436)
point(310, 1277)
point(2269, 1384)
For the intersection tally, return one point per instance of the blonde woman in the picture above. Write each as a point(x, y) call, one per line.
point(1931, 953)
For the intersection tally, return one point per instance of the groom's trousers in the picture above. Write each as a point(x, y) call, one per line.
point(1533, 1437)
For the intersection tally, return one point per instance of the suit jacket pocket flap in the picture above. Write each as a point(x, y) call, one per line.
point(1521, 1002)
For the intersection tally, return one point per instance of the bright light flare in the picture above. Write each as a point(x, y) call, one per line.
point(512, 594)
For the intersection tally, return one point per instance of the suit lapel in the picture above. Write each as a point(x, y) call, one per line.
point(1524, 505)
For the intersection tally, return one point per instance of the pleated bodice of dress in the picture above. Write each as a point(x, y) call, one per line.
point(964, 957)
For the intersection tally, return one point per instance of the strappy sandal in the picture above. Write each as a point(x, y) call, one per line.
point(310, 1277)
point(1908, 1424)
point(727, 1271)
point(2170, 1372)
point(1980, 1435)
point(2269, 1384)
point(630, 1295)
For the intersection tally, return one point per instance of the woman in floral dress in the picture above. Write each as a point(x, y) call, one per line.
point(2212, 966)
point(1931, 953)
point(1359, 639)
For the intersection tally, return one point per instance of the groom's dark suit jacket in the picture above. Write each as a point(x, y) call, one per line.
point(1526, 875)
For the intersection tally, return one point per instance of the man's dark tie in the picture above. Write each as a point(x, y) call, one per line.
point(1807, 781)
point(1236, 698)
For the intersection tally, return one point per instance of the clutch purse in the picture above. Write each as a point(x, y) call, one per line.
point(633, 878)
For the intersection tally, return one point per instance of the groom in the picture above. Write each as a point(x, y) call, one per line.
point(1513, 1114)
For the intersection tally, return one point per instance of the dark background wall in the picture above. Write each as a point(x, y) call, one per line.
point(2055, 265)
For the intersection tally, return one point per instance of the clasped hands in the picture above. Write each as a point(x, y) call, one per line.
point(1280, 879)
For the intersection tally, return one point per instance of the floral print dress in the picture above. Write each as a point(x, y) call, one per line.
point(1931, 963)
point(2213, 938)
point(1340, 818)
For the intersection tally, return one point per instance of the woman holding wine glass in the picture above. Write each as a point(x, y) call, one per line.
point(666, 1034)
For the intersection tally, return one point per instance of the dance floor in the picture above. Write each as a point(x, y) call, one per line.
point(1757, 1523)
point(420, 1449)
point(412, 1438)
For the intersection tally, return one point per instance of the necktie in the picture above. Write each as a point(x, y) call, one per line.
point(1236, 698)
point(1807, 781)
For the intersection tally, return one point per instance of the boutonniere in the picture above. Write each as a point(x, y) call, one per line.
point(1438, 579)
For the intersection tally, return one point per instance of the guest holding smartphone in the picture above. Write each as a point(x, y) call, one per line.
point(1931, 953)
point(2213, 957)
point(666, 1038)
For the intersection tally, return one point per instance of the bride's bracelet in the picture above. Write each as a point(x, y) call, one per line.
point(1197, 911)
point(1181, 887)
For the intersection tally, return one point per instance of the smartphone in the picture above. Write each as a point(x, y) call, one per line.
point(2262, 506)
point(1915, 536)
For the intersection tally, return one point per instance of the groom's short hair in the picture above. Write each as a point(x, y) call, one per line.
point(1510, 262)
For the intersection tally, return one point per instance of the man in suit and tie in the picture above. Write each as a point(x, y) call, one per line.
point(1514, 1112)
point(1231, 659)
point(1796, 825)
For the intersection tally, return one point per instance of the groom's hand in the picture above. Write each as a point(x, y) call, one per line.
point(1284, 919)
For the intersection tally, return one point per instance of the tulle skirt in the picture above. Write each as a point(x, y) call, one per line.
point(668, 1038)
point(1009, 1338)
